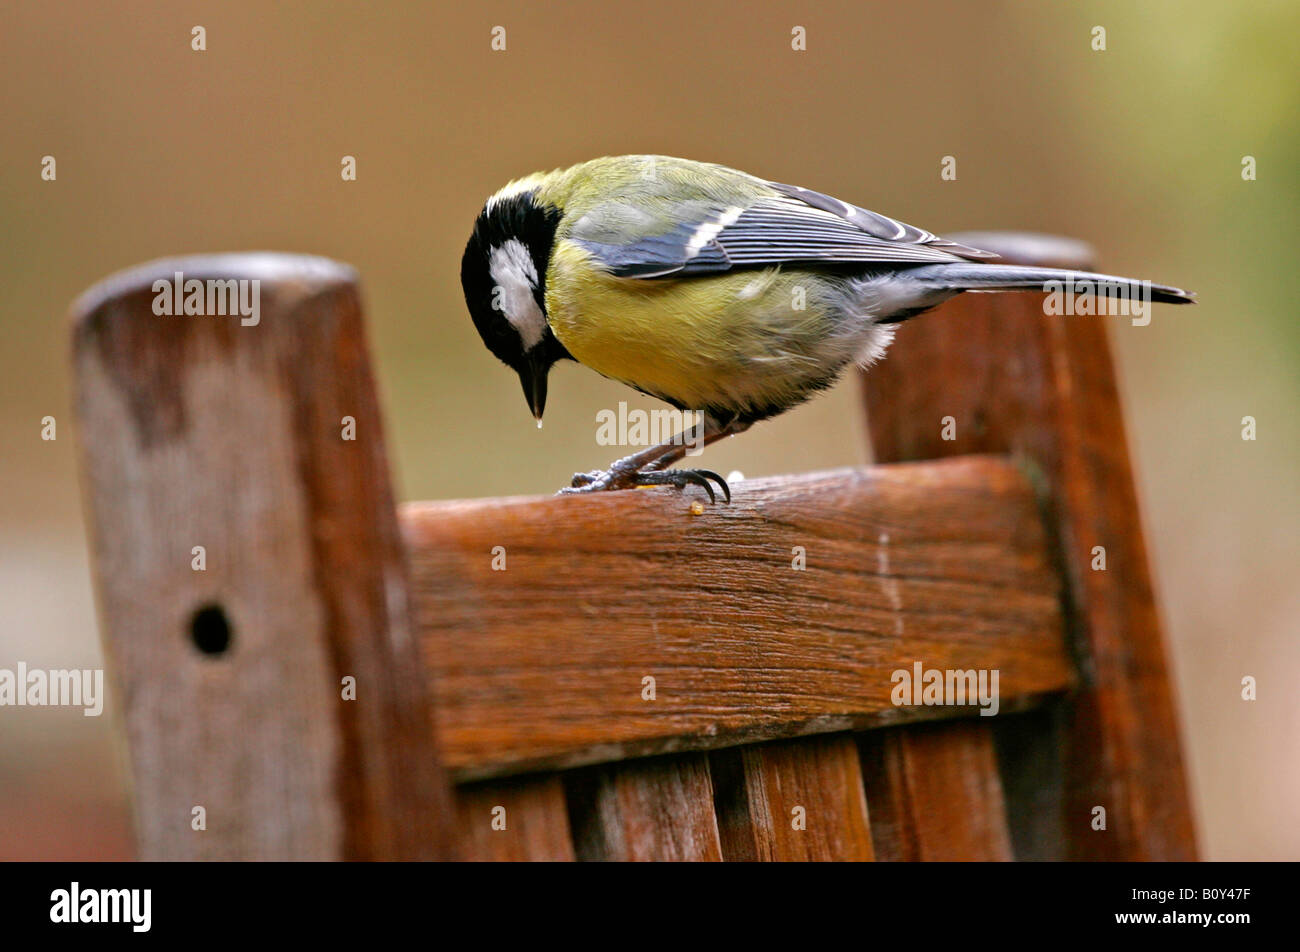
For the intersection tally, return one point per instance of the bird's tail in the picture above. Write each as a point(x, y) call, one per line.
point(984, 276)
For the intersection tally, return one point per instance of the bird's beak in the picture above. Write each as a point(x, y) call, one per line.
point(532, 375)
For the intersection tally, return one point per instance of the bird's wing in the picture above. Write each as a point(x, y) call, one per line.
point(876, 224)
point(789, 225)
